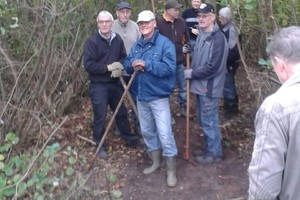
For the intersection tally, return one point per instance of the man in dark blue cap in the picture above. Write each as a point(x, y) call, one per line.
point(207, 76)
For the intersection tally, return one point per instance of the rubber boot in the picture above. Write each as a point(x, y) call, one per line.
point(171, 171)
point(156, 161)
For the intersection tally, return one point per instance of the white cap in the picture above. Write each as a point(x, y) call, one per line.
point(145, 16)
point(225, 13)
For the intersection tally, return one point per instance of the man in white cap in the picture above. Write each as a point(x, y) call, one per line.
point(153, 56)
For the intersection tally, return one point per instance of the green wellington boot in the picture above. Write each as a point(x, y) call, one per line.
point(171, 171)
point(156, 161)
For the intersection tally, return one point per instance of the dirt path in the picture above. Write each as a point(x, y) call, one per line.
point(225, 180)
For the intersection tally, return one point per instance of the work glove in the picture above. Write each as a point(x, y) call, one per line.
point(188, 73)
point(138, 65)
point(114, 66)
point(116, 73)
point(186, 48)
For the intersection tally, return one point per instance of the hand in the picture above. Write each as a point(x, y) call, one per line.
point(138, 68)
point(138, 62)
point(186, 48)
point(188, 73)
point(114, 66)
point(116, 73)
point(195, 31)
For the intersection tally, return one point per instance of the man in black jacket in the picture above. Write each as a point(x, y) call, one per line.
point(171, 25)
point(103, 54)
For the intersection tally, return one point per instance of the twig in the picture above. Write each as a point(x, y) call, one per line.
point(86, 139)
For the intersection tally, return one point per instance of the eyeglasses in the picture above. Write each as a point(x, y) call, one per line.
point(204, 16)
point(104, 22)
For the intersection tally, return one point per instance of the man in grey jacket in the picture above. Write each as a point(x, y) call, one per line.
point(274, 169)
point(207, 77)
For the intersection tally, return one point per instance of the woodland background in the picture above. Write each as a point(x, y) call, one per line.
point(42, 79)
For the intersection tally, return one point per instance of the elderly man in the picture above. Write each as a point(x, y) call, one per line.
point(171, 25)
point(126, 28)
point(207, 75)
point(153, 56)
point(230, 102)
point(104, 52)
point(274, 169)
point(129, 32)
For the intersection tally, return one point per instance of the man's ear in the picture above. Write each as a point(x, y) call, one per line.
point(279, 63)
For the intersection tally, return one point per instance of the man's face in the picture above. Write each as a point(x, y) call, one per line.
point(104, 24)
point(147, 28)
point(196, 3)
point(173, 12)
point(223, 21)
point(123, 15)
point(206, 20)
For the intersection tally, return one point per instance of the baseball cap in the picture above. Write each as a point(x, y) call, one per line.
point(122, 5)
point(172, 4)
point(145, 16)
point(206, 8)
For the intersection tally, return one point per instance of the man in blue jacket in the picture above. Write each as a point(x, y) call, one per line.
point(103, 54)
point(207, 77)
point(153, 56)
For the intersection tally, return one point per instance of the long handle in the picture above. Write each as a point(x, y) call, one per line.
point(187, 154)
point(115, 114)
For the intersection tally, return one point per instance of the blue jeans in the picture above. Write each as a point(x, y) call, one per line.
point(181, 84)
point(207, 113)
point(229, 91)
point(155, 123)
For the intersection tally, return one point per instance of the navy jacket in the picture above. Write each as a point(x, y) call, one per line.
point(100, 52)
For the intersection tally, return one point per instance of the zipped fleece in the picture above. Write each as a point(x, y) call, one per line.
point(177, 32)
point(158, 79)
point(99, 52)
point(208, 73)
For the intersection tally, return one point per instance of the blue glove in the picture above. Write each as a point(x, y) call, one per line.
point(188, 73)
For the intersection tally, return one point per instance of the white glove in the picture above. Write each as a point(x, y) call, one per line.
point(116, 73)
point(188, 73)
point(114, 66)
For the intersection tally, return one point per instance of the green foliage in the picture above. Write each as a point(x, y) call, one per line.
point(18, 175)
point(265, 63)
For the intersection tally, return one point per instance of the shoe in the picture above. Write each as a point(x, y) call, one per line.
point(197, 153)
point(102, 153)
point(208, 159)
point(182, 111)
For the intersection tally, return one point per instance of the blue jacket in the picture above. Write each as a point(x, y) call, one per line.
point(158, 79)
point(209, 64)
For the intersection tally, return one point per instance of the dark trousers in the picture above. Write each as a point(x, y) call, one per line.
point(102, 95)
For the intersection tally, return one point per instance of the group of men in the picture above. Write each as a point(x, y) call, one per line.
point(153, 49)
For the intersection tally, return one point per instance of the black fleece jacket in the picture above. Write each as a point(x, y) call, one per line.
point(100, 52)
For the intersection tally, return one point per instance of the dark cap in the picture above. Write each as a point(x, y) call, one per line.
point(206, 8)
point(122, 5)
point(172, 4)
